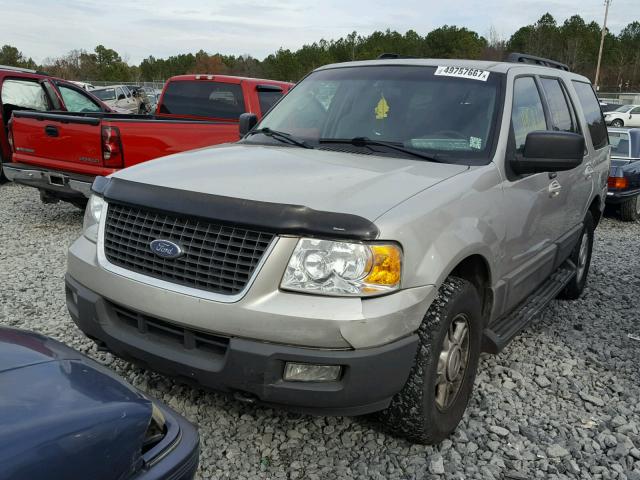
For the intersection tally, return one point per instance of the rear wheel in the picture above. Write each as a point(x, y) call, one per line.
point(581, 257)
point(630, 209)
point(3, 179)
point(617, 123)
point(432, 402)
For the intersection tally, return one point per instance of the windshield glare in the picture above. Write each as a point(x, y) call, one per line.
point(442, 116)
point(624, 108)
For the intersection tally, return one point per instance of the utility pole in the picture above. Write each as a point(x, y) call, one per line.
point(604, 32)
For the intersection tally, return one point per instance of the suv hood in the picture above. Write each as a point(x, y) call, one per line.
point(363, 185)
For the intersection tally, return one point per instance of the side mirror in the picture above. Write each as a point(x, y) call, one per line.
point(121, 96)
point(548, 151)
point(247, 122)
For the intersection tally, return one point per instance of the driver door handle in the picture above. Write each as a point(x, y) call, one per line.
point(554, 188)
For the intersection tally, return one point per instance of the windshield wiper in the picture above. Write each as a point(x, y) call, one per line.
point(281, 136)
point(366, 142)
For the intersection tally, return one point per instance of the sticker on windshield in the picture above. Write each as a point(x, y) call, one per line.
point(475, 142)
point(463, 72)
point(382, 109)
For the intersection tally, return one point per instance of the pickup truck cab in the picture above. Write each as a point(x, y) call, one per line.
point(25, 89)
point(61, 153)
point(385, 222)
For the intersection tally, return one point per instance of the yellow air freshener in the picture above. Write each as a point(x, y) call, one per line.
point(382, 109)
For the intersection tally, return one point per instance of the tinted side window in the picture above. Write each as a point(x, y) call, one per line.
point(203, 99)
point(558, 107)
point(268, 99)
point(527, 114)
point(635, 111)
point(24, 93)
point(592, 113)
point(76, 101)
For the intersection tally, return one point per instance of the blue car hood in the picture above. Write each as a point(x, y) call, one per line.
point(63, 415)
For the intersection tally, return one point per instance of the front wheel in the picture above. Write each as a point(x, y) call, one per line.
point(581, 257)
point(617, 123)
point(432, 402)
point(630, 209)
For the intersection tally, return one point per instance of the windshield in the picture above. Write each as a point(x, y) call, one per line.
point(106, 94)
point(619, 144)
point(441, 114)
point(624, 108)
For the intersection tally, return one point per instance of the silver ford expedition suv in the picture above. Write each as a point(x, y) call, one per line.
point(357, 250)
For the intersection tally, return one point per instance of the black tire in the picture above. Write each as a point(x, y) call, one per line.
point(617, 123)
point(630, 209)
point(3, 179)
point(574, 288)
point(414, 412)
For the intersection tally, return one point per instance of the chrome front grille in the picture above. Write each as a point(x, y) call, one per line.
point(216, 258)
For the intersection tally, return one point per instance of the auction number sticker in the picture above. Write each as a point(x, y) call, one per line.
point(463, 72)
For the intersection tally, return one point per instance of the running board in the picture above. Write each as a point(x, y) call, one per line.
point(500, 333)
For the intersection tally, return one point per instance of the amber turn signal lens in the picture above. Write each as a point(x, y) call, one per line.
point(618, 182)
point(386, 265)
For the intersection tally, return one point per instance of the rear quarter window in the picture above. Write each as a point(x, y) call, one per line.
point(203, 99)
point(592, 113)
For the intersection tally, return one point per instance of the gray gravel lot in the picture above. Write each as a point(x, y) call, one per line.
point(562, 401)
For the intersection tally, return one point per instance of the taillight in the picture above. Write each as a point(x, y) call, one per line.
point(112, 155)
point(618, 182)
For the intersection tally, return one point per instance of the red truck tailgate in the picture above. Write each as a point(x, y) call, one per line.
point(60, 142)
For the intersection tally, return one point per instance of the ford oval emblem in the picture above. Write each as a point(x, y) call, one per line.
point(166, 249)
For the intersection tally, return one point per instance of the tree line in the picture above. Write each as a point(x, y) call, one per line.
point(573, 42)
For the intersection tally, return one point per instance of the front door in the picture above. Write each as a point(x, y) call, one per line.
point(533, 203)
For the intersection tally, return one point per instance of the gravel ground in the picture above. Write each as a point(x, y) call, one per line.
point(562, 401)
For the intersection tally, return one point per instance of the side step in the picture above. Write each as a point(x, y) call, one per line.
point(501, 332)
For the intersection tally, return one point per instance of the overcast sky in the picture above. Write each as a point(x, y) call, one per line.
point(139, 28)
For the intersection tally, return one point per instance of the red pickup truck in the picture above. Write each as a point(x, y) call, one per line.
point(25, 89)
point(61, 153)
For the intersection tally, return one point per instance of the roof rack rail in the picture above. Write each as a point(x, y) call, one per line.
point(532, 59)
point(387, 56)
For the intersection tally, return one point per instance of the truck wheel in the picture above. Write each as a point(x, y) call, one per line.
point(617, 123)
point(432, 402)
point(3, 179)
point(581, 257)
point(630, 209)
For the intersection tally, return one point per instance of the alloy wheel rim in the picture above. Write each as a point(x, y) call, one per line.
point(583, 254)
point(452, 362)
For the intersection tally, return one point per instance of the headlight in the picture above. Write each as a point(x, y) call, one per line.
point(92, 217)
point(325, 267)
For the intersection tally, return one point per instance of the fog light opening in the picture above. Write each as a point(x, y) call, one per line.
point(308, 372)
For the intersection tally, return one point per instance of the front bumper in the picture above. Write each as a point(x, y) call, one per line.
point(176, 456)
point(250, 369)
point(63, 184)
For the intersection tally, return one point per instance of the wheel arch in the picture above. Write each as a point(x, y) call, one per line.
point(595, 208)
point(476, 270)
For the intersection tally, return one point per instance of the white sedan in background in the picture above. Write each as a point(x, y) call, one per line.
point(624, 116)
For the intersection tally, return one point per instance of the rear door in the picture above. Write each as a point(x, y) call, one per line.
point(576, 184)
